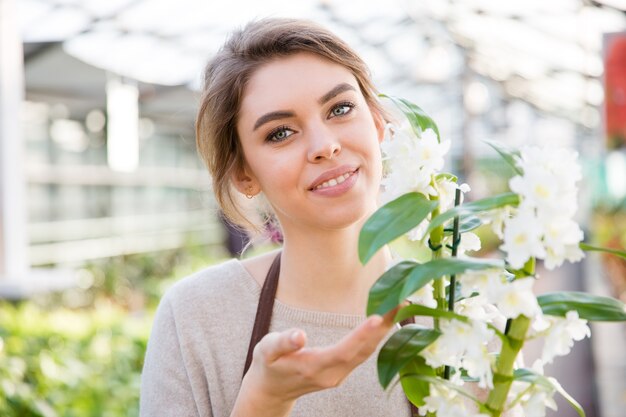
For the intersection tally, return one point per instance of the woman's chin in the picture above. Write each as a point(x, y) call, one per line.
point(346, 218)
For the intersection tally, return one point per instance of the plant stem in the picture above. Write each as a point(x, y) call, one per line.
point(516, 331)
point(503, 377)
point(456, 239)
point(436, 238)
point(439, 290)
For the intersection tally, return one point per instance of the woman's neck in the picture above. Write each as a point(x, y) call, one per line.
point(320, 270)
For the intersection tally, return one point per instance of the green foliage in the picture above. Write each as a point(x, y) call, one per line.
point(590, 248)
point(79, 353)
point(527, 270)
point(467, 223)
point(400, 355)
point(70, 363)
point(138, 281)
point(428, 378)
point(407, 277)
point(401, 348)
point(418, 119)
point(414, 310)
point(526, 375)
point(420, 310)
point(446, 176)
point(589, 307)
point(416, 389)
point(509, 155)
point(391, 221)
point(478, 206)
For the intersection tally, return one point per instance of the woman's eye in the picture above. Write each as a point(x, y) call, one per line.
point(279, 134)
point(342, 109)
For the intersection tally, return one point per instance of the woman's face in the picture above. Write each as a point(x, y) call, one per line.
point(310, 142)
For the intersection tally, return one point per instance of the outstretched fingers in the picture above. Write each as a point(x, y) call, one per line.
point(295, 369)
point(359, 344)
point(278, 344)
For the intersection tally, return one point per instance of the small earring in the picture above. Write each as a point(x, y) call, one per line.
point(249, 194)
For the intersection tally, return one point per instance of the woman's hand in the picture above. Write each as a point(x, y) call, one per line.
point(283, 368)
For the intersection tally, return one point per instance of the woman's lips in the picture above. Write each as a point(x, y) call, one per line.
point(333, 187)
point(332, 174)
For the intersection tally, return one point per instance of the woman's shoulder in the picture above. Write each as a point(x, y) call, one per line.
point(257, 266)
point(216, 283)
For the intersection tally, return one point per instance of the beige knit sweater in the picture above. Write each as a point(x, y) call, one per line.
point(196, 352)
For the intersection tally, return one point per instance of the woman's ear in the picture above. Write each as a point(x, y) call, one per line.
point(245, 182)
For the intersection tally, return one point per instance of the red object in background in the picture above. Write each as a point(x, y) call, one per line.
point(615, 89)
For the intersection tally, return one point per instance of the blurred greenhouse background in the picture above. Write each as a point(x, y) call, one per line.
point(104, 203)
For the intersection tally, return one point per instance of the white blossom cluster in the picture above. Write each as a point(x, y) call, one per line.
point(531, 400)
point(560, 334)
point(489, 297)
point(447, 403)
point(512, 298)
point(412, 163)
point(463, 345)
point(543, 225)
point(498, 298)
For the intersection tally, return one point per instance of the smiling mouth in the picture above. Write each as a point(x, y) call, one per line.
point(334, 181)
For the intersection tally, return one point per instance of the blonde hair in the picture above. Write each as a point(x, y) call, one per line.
point(225, 81)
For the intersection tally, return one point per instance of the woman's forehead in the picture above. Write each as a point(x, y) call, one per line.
point(303, 62)
point(295, 79)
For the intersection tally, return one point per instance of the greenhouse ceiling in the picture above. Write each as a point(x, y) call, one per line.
point(548, 53)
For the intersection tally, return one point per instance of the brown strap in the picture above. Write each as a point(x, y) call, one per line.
point(264, 310)
point(264, 316)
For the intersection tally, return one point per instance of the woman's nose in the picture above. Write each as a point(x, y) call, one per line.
point(323, 145)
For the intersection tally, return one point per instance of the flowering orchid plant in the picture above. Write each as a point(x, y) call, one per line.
point(484, 310)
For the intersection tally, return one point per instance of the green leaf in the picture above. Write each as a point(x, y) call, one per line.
point(400, 348)
point(465, 376)
point(527, 270)
point(510, 155)
point(420, 310)
point(446, 176)
point(391, 221)
point(486, 204)
point(417, 117)
point(437, 380)
point(589, 307)
point(416, 390)
point(384, 293)
point(407, 277)
point(616, 252)
point(526, 375)
point(466, 224)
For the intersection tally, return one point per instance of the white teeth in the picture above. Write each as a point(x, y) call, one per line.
point(334, 181)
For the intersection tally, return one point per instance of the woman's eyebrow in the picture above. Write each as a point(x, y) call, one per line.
point(275, 115)
point(283, 114)
point(338, 89)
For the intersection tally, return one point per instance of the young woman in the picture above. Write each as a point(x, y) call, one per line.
point(288, 114)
